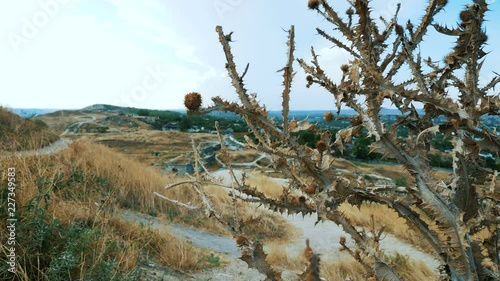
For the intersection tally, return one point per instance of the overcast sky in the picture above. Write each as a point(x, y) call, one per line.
point(149, 53)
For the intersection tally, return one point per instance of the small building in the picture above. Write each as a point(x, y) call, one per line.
point(179, 169)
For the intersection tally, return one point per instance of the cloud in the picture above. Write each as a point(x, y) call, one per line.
point(86, 57)
point(96, 51)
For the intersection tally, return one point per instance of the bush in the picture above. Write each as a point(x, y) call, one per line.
point(400, 182)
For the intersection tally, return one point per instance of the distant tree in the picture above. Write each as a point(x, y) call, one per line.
point(308, 138)
point(186, 123)
point(361, 148)
point(441, 142)
point(143, 112)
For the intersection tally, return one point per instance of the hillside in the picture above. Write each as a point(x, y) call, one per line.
point(17, 133)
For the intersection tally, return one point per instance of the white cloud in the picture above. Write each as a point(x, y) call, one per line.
point(99, 51)
point(80, 60)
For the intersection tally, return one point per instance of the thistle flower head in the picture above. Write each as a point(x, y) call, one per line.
point(192, 101)
point(313, 4)
point(328, 117)
point(399, 30)
point(466, 15)
point(321, 146)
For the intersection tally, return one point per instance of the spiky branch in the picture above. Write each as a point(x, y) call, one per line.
point(448, 216)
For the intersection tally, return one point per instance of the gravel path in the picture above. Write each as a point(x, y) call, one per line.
point(54, 147)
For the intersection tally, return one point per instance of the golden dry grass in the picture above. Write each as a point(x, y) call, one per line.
point(134, 184)
point(244, 156)
point(409, 269)
point(17, 133)
point(150, 147)
point(345, 267)
point(383, 216)
point(340, 269)
point(167, 249)
point(87, 173)
point(81, 176)
point(386, 170)
point(265, 184)
point(58, 121)
point(262, 224)
point(278, 256)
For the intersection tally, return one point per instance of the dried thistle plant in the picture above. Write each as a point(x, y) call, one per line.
point(447, 214)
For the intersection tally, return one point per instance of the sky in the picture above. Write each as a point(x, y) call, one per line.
point(68, 54)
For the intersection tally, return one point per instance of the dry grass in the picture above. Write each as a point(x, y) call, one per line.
point(385, 170)
point(150, 147)
point(409, 269)
point(262, 223)
point(133, 183)
point(58, 121)
point(164, 247)
point(17, 133)
point(267, 185)
point(341, 269)
point(383, 216)
point(244, 156)
point(344, 268)
point(77, 178)
point(280, 257)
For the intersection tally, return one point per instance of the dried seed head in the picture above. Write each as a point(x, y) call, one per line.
point(328, 117)
point(357, 255)
point(450, 59)
point(466, 15)
point(292, 199)
point(241, 240)
point(350, 11)
point(380, 38)
point(344, 68)
point(309, 78)
point(409, 25)
point(342, 239)
point(308, 252)
point(321, 146)
point(310, 189)
point(192, 101)
point(302, 199)
point(313, 4)
point(282, 161)
point(442, 2)
point(293, 125)
point(399, 30)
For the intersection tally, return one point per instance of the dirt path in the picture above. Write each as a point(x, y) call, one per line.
point(54, 147)
point(235, 269)
point(73, 128)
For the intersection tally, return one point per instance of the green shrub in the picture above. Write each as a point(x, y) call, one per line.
point(400, 182)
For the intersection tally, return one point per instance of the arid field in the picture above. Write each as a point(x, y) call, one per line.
point(93, 200)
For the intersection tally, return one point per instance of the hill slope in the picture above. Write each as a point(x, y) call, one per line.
point(17, 133)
